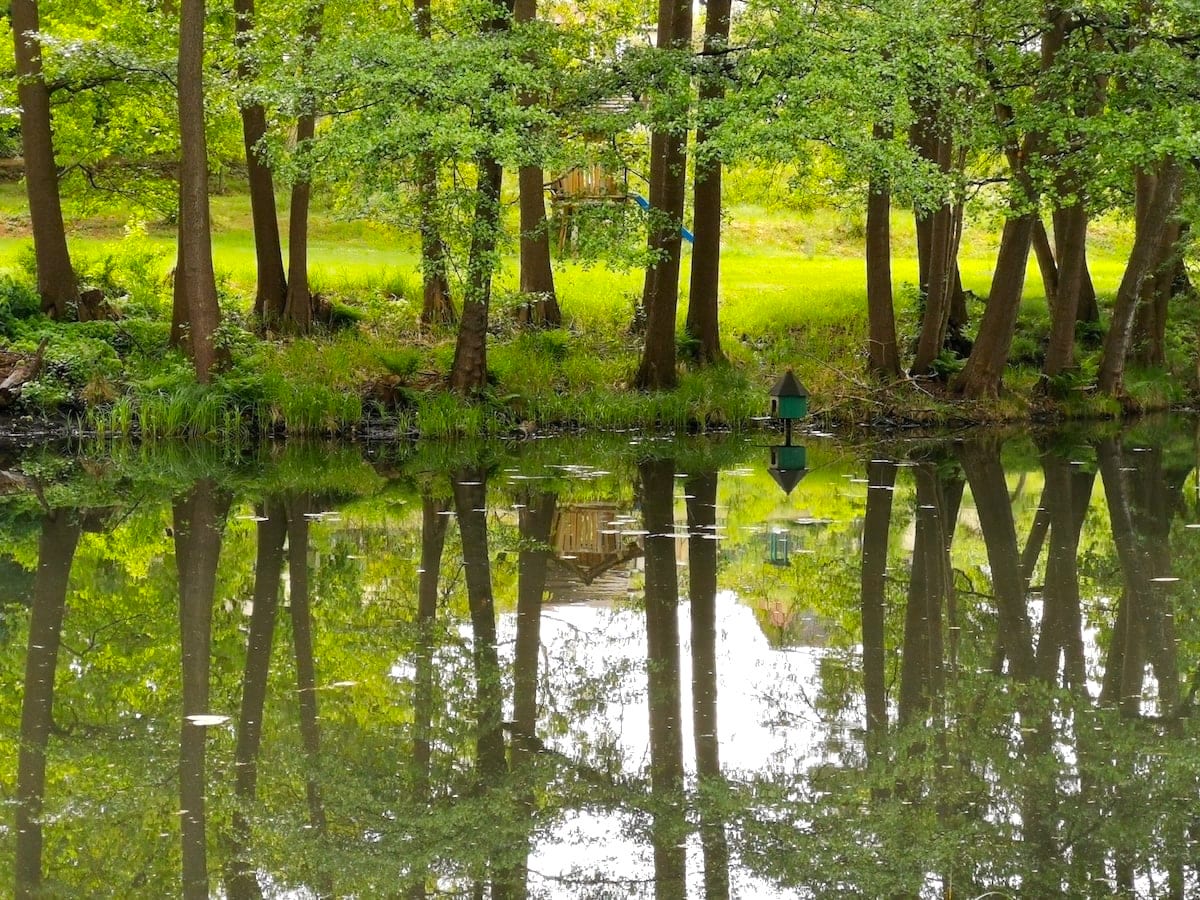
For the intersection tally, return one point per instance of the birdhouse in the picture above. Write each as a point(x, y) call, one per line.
point(789, 398)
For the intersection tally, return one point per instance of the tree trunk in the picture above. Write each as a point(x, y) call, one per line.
point(703, 316)
point(195, 309)
point(540, 305)
point(55, 278)
point(883, 355)
point(468, 375)
point(1150, 323)
point(437, 307)
point(271, 284)
point(1046, 262)
point(1142, 258)
point(298, 309)
point(537, 277)
point(56, 551)
point(981, 376)
point(657, 368)
point(935, 242)
point(1072, 243)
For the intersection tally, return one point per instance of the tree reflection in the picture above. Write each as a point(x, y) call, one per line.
point(701, 493)
point(662, 677)
point(199, 519)
point(56, 550)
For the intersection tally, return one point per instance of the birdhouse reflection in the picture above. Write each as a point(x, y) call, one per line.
point(779, 543)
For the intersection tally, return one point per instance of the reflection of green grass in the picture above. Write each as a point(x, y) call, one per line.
point(792, 296)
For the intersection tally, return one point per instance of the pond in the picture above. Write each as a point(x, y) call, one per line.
point(594, 668)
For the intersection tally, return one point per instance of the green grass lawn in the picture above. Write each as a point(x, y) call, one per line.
point(792, 289)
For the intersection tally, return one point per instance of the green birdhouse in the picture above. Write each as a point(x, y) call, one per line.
point(789, 398)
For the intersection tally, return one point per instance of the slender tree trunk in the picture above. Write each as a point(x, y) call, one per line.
point(468, 374)
point(982, 374)
point(937, 237)
point(298, 309)
point(1047, 264)
point(437, 307)
point(537, 277)
point(195, 309)
point(271, 284)
point(883, 354)
point(703, 318)
point(55, 278)
point(56, 551)
point(657, 368)
point(1142, 258)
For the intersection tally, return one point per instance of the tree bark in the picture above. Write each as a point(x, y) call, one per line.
point(56, 551)
point(657, 368)
point(1145, 253)
point(703, 313)
point(270, 291)
point(1047, 264)
point(883, 354)
point(196, 315)
point(55, 277)
point(981, 376)
point(936, 234)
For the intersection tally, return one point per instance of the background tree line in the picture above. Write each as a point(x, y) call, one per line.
point(1040, 115)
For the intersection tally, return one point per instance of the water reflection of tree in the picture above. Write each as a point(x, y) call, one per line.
point(56, 550)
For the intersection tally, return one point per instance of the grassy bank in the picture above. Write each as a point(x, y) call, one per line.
point(792, 294)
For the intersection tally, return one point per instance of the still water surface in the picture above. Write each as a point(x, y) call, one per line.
point(592, 669)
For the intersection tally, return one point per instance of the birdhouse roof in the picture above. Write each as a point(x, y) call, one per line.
point(789, 386)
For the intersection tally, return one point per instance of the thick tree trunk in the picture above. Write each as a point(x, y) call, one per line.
point(1146, 252)
point(1072, 243)
point(437, 307)
point(55, 278)
point(1150, 324)
point(196, 314)
point(936, 248)
point(981, 376)
point(883, 354)
point(703, 316)
point(271, 284)
point(657, 368)
point(56, 551)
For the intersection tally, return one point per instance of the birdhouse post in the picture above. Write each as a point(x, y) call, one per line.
point(789, 401)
